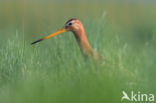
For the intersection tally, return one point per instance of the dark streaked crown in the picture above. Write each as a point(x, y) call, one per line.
point(71, 20)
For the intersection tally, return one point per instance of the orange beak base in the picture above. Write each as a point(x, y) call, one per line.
point(49, 36)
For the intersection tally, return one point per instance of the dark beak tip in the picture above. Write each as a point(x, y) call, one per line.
point(36, 41)
point(32, 43)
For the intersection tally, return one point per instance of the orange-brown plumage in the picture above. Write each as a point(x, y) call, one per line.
point(78, 30)
point(80, 35)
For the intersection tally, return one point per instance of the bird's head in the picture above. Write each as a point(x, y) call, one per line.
point(73, 25)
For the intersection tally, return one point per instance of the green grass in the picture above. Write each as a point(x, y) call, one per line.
point(55, 71)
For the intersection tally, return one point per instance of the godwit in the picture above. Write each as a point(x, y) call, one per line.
point(78, 30)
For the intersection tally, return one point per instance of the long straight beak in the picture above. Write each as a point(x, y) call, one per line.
point(49, 36)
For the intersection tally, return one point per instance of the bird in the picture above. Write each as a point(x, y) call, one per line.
point(75, 25)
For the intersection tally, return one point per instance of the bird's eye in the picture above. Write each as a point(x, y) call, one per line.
point(70, 24)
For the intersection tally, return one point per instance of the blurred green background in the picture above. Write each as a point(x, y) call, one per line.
point(54, 71)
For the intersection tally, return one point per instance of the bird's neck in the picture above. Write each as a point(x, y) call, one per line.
point(82, 40)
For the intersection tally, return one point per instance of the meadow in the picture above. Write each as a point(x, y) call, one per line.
point(55, 71)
